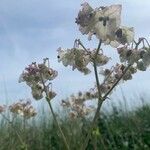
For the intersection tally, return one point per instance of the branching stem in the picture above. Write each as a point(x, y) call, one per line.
point(100, 99)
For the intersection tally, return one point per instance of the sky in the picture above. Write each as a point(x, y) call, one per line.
point(31, 30)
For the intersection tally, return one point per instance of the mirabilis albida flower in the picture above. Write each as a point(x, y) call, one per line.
point(79, 59)
point(76, 103)
point(75, 57)
point(105, 23)
point(37, 76)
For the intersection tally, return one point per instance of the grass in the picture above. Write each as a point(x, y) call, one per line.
point(118, 130)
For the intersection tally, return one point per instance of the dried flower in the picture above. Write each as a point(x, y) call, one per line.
point(108, 20)
point(23, 108)
point(76, 103)
point(104, 22)
point(75, 57)
point(100, 60)
point(79, 59)
point(35, 75)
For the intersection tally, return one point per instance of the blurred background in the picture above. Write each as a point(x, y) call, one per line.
point(31, 30)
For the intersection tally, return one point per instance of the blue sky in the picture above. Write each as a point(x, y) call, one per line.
point(31, 30)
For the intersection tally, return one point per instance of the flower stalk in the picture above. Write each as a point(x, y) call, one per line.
point(48, 99)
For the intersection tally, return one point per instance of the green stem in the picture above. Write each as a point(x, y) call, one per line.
point(80, 43)
point(53, 114)
point(99, 98)
point(60, 130)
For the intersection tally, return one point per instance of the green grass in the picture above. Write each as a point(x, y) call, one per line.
point(118, 130)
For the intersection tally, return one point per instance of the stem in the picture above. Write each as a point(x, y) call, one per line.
point(138, 43)
point(107, 77)
point(53, 114)
point(99, 106)
point(100, 101)
point(96, 72)
point(60, 130)
point(127, 68)
point(80, 43)
point(147, 42)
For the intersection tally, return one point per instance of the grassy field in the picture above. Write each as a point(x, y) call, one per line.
point(118, 130)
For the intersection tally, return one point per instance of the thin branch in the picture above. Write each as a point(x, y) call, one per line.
point(99, 98)
point(53, 114)
point(80, 43)
point(127, 68)
point(96, 72)
point(147, 42)
point(138, 43)
point(107, 77)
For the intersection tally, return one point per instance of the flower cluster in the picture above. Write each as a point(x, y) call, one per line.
point(110, 78)
point(36, 76)
point(105, 23)
point(23, 108)
point(140, 58)
point(75, 57)
point(79, 58)
point(76, 103)
point(2, 108)
point(112, 75)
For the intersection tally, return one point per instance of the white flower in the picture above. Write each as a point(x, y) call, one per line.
point(75, 57)
point(100, 60)
point(114, 44)
point(47, 73)
point(85, 18)
point(67, 57)
point(23, 108)
point(103, 21)
point(125, 35)
point(108, 20)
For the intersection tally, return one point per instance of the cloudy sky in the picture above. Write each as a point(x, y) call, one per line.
point(31, 30)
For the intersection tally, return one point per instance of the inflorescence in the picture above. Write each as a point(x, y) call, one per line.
point(105, 24)
point(37, 77)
